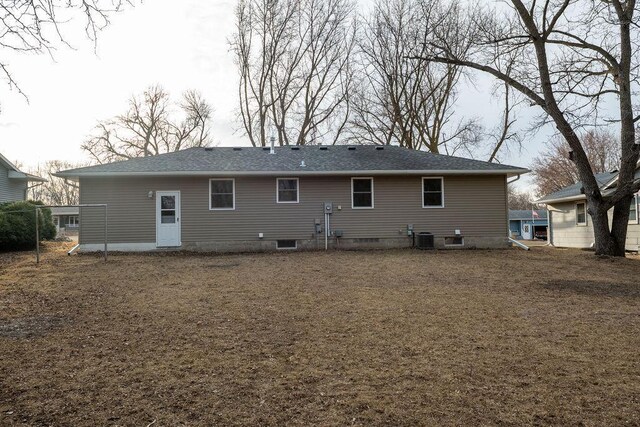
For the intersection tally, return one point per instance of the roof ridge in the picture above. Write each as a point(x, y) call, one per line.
point(317, 159)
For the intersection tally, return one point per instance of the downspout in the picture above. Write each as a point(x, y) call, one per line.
point(506, 190)
point(511, 182)
point(518, 244)
point(327, 228)
point(550, 227)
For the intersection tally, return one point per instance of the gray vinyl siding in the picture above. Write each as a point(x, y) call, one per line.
point(11, 190)
point(567, 234)
point(474, 204)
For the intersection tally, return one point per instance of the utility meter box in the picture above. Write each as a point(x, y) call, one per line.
point(328, 207)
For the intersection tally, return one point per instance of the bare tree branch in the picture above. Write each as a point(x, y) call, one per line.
point(149, 128)
point(293, 59)
point(39, 26)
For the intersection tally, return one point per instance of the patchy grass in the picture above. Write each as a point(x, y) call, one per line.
point(340, 338)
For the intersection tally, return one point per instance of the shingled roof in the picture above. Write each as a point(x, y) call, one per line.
point(15, 173)
point(573, 192)
point(298, 160)
point(527, 214)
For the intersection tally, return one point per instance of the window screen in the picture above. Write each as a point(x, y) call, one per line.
point(287, 190)
point(362, 196)
point(432, 193)
point(222, 196)
point(581, 214)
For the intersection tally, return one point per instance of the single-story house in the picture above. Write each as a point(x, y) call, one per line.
point(528, 224)
point(66, 218)
point(253, 198)
point(569, 223)
point(13, 182)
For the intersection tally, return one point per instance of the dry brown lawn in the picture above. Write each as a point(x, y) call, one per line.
point(547, 337)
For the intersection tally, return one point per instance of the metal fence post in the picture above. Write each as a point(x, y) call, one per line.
point(37, 236)
point(105, 232)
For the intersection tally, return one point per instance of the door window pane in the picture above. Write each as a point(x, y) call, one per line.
point(167, 202)
point(168, 217)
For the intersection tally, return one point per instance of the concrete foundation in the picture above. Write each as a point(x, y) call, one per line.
point(307, 244)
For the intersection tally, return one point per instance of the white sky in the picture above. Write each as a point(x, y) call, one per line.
point(178, 44)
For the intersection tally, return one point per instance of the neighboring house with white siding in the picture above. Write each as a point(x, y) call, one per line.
point(13, 182)
point(250, 198)
point(569, 223)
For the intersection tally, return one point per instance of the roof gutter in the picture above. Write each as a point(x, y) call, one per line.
point(26, 176)
point(562, 199)
point(71, 174)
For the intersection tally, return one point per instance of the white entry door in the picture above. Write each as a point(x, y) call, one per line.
point(168, 219)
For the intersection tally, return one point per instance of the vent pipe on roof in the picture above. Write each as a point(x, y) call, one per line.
point(273, 140)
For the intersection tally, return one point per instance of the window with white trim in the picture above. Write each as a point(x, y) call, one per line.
point(222, 194)
point(581, 213)
point(633, 210)
point(288, 190)
point(361, 193)
point(432, 193)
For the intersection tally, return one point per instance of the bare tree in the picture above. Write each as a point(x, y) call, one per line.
point(293, 60)
point(571, 56)
point(56, 191)
point(402, 100)
point(149, 127)
point(553, 169)
point(38, 26)
point(520, 200)
point(503, 137)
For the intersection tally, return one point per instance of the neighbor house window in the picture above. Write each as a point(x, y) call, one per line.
point(362, 193)
point(581, 214)
point(72, 221)
point(432, 193)
point(222, 194)
point(633, 210)
point(288, 190)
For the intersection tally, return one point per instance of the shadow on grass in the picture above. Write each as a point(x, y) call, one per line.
point(28, 327)
point(592, 288)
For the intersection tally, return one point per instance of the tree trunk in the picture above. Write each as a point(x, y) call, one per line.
point(610, 241)
point(620, 224)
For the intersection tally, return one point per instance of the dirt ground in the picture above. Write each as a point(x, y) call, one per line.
point(546, 337)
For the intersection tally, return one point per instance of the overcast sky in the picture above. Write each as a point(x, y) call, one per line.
point(180, 45)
